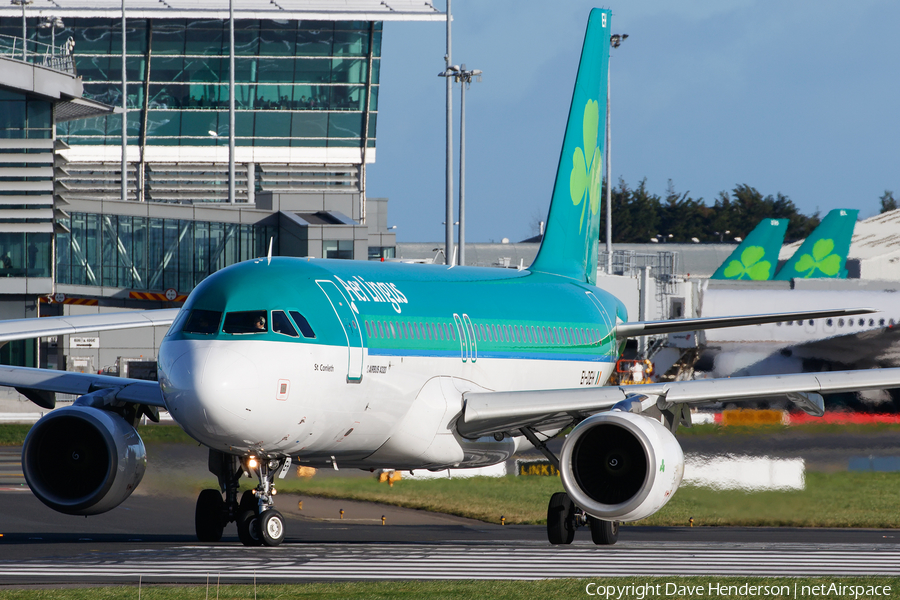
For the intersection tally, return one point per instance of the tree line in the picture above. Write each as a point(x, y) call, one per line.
point(638, 215)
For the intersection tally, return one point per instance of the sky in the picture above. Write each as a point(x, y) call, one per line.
point(798, 97)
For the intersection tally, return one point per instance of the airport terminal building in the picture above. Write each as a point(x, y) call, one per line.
point(73, 238)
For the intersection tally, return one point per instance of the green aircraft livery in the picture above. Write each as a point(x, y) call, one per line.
point(757, 256)
point(824, 252)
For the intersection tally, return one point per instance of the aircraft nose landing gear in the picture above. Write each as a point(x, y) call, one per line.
point(257, 520)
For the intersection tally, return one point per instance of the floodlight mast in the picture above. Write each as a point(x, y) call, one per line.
point(23, 4)
point(448, 208)
point(124, 190)
point(231, 133)
point(465, 78)
point(615, 41)
point(52, 23)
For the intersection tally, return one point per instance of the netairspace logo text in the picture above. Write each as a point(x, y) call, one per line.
point(713, 590)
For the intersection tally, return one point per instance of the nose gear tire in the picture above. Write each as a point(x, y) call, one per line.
point(208, 516)
point(248, 528)
point(271, 527)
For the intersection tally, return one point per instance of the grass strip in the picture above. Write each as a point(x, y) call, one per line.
point(843, 499)
point(632, 588)
point(13, 434)
point(821, 428)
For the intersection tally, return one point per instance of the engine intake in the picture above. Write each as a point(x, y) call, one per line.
point(619, 466)
point(80, 460)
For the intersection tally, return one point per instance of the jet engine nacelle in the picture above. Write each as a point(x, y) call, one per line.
point(620, 466)
point(80, 460)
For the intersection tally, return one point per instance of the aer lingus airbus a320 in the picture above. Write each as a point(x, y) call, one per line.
point(385, 365)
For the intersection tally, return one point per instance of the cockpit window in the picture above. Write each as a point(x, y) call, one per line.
point(203, 321)
point(281, 324)
point(176, 324)
point(303, 324)
point(248, 321)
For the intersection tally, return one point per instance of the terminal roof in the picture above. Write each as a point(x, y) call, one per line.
point(315, 10)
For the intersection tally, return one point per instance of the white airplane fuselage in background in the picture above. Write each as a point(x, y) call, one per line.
point(792, 346)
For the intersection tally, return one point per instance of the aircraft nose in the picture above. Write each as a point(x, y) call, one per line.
point(207, 387)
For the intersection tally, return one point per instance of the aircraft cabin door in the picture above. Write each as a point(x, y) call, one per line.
point(346, 314)
point(470, 332)
point(463, 338)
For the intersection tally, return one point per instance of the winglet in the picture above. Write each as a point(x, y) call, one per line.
point(757, 256)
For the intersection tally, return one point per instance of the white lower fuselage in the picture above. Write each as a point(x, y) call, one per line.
point(293, 399)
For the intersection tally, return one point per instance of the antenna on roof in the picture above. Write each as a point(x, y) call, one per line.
point(269, 257)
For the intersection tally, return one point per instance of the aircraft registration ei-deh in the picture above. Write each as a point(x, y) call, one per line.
point(354, 364)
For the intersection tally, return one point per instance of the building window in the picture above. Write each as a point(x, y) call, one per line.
point(337, 249)
point(379, 252)
point(149, 254)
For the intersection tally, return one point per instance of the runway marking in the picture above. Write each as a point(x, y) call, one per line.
point(463, 561)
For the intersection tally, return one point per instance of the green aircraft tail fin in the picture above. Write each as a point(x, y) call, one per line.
point(824, 252)
point(570, 243)
point(756, 258)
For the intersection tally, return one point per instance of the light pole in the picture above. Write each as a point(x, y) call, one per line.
point(23, 4)
point(465, 78)
point(615, 41)
point(450, 72)
point(124, 183)
point(231, 132)
point(448, 201)
point(52, 23)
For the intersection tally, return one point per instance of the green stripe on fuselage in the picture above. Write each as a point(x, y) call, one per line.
point(403, 294)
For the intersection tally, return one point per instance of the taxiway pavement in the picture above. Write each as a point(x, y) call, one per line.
point(151, 536)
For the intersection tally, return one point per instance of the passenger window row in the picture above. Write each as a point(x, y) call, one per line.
point(206, 322)
point(409, 330)
point(486, 332)
point(843, 322)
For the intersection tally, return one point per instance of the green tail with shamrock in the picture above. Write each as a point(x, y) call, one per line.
point(756, 258)
point(824, 252)
point(569, 247)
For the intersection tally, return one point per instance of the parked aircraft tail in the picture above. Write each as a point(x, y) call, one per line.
point(569, 247)
point(756, 258)
point(824, 252)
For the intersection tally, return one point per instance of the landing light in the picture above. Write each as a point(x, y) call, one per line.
point(252, 462)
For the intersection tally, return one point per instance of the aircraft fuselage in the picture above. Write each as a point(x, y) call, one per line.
point(394, 348)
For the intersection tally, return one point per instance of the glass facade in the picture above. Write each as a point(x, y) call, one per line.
point(22, 117)
point(153, 254)
point(297, 83)
point(26, 186)
point(25, 254)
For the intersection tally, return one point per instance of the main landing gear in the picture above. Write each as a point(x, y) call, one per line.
point(563, 518)
point(257, 520)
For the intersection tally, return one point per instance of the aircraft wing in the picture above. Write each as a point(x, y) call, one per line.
point(638, 328)
point(23, 329)
point(41, 386)
point(486, 413)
